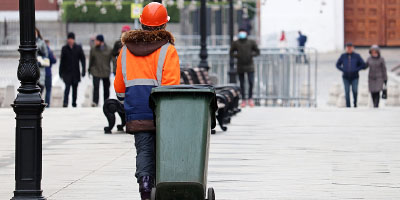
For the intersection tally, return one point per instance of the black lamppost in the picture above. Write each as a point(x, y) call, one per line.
point(232, 72)
point(203, 35)
point(28, 107)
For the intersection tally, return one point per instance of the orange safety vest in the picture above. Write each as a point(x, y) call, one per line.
point(137, 75)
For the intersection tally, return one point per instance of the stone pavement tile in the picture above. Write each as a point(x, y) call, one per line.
point(298, 154)
point(267, 153)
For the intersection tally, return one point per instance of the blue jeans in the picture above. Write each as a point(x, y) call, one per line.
point(354, 87)
point(145, 143)
point(47, 83)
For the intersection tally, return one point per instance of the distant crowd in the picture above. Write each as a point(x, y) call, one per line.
point(73, 66)
point(350, 63)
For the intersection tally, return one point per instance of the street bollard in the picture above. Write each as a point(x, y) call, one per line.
point(56, 97)
point(393, 96)
point(334, 93)
point(2, 96)
point(341, 102)
point(364, 97)
point(88, 96)
point(9, 96)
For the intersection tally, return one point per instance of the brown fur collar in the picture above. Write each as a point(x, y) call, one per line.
point(142, 36)
point(144, 43)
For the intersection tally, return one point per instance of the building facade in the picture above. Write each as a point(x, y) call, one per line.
point(329, 24)
point(46, 10)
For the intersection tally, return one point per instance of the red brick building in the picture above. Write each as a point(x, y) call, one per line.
point(46, 10)
point(12, 5)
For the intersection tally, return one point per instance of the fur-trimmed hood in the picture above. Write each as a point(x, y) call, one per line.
point(143, 43)
point(375, 48)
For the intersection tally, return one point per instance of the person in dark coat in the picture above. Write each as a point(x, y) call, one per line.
point(302, 39)
point(71, 55)
point(117, 47)
point(48, 78)
point(377, 75)
point(99, 67)
point(350, 63)
point(244, 50)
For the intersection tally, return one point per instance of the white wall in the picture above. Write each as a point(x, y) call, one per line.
point(39, 15)
point(325, 30)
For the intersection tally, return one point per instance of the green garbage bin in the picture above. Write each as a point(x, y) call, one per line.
point(184, 117)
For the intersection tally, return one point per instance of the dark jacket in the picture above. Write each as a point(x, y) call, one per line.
point(69, 64)
point(100, 60)
point(52, 59)
point(302, 39)
point(350, 65)
point(244, 50)
point(115, 52)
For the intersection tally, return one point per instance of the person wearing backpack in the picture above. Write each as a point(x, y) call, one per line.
point(302, 40)
point(147, 59)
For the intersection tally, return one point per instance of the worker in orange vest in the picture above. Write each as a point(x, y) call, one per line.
point(148, 59)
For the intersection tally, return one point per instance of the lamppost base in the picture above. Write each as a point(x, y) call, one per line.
point(28, 195)
point(29, 198)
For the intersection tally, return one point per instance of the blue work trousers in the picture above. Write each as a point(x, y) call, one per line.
point(145, 154)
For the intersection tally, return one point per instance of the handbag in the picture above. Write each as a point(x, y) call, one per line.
point(384, 92)
point(44, 62)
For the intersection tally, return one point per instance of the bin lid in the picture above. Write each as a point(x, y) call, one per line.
point(188, 89)
point(184, 88)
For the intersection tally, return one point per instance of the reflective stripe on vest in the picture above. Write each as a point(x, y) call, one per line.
point(123, 61)
point(121, 95)
point(160, 64)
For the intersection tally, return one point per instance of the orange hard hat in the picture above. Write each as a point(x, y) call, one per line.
point(154, 14)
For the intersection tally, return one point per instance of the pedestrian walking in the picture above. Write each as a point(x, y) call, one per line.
point(117, 47)
point(350, 63)
point(377, 76)
point(282, 42)
point(71, 55)
point(99, 67)
point(244, 50)
point(147, 59)
point(48, 79)
point(302, 39)
point(43, 56)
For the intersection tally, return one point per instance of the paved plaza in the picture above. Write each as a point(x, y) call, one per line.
point(267, 153)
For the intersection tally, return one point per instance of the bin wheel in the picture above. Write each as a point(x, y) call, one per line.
point(153, 194)
point(210, 194)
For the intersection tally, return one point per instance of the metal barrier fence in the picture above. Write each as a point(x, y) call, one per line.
point(283, 77)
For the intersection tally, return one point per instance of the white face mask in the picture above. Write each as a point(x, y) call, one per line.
point(242, 35)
